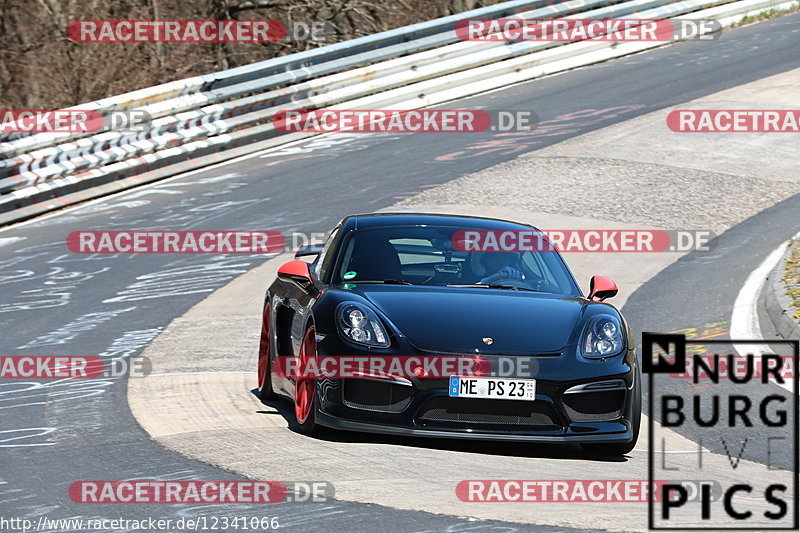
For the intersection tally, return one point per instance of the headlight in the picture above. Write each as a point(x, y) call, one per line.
point(361, 325)
point(602, 338)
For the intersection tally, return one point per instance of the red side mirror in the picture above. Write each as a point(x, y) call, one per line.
point(602, 287)
point(296, 271)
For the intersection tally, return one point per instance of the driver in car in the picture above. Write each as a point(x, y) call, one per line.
point(503, 265)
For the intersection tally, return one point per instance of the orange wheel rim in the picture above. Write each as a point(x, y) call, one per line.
point(305, 386)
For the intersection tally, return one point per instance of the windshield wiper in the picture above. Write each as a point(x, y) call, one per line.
point(492, 286)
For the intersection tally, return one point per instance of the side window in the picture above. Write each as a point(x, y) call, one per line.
point(325, 257)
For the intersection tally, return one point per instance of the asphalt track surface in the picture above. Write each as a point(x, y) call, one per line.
point(56, 303)
point(702, 288)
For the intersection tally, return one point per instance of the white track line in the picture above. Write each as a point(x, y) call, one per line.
point(744, 318)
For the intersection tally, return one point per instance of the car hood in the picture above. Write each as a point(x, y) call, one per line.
point(455, 319)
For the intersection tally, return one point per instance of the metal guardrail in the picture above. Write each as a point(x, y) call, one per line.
point(431, 66)
point(283, 70)
point(205, 120)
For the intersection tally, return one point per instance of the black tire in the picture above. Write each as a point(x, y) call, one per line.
point(310, 426)
point(265, 392)
point(634, 415)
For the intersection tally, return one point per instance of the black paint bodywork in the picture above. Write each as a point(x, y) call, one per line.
point(430, 320)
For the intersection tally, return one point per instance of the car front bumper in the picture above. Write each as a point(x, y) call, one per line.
point(625, 435)
point(577, 400)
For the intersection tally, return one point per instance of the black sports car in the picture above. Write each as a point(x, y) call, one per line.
point(391, 284)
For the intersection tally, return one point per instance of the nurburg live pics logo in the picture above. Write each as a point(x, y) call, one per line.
point(748, 417)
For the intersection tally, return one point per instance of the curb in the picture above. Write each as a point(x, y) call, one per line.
point(778, 304)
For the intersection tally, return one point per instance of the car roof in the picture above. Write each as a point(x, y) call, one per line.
point(377, 220)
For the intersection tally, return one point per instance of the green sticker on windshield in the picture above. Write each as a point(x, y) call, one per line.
point(349, 275)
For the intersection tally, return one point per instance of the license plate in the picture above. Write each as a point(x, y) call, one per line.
point(493, 388)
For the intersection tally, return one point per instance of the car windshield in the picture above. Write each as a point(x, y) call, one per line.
point(414, 255)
